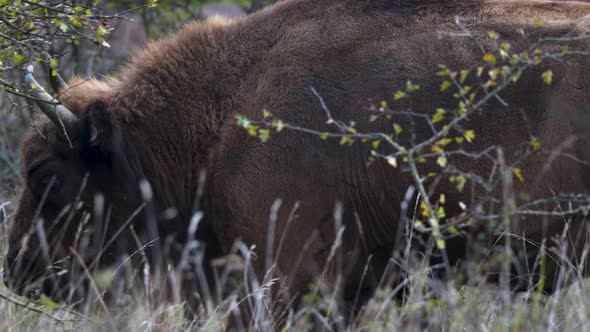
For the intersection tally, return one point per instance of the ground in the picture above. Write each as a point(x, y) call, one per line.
point(429, 304)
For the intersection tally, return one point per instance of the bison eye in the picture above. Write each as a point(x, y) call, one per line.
point(50, 180)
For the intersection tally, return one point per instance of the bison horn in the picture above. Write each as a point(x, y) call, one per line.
point(57, 82)
point(59, 114)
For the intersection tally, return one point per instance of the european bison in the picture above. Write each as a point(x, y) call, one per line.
point(171, 113)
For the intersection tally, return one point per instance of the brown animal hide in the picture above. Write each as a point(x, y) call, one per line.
point(171, 113)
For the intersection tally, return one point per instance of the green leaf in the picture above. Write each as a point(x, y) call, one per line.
point(441, 212)
point(441, 161)
point(445, 85)
point(61, 25)
point(264, 135)
point(242, 121)
point(19, 58)
point(48, 302)
point(444, 71)
point(76, 21)
point(462, 108)
point(439, 115)
point(493, 35)
point(464, 74)
point(103, 278)
point(399, 95)
point(397, 128)
point(411, 87)
point(445, 141)
point(375, 144)
point(539, 22)
point(459, 181)
point(479, 71)
point(346, 140)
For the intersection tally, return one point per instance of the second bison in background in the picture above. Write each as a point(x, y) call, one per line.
point(130, 151)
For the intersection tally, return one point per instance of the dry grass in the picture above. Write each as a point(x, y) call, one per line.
point(429, 304)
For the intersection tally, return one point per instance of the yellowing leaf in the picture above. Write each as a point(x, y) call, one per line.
point(490, 59)
point(547, 76)
point(469, 135)
point(252, 130)
point(518, 173)
point(424, 208)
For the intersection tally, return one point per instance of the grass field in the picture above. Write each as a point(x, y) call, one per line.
point(429, 304)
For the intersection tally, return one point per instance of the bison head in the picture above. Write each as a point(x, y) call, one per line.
point(77, 195)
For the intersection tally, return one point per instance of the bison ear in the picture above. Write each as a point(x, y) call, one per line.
point(97, 127)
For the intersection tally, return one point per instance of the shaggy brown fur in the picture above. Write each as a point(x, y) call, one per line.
point(172, 113)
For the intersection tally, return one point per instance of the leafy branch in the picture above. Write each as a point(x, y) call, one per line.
point(499, 70)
